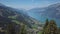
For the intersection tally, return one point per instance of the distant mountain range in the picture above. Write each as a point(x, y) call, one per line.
point(32, 17)
point(50, 12)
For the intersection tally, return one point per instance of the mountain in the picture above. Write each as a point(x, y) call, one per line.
point(50, 12)
point(17, 16)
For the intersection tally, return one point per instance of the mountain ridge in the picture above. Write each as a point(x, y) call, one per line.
point(50, 12)
point(16, 15)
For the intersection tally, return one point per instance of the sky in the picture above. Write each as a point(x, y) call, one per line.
point(28, 4)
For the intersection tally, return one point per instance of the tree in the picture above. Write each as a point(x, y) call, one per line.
point(51, 28)
point(23, 29)
point(45, 26)
point(10, 28)
point(46, 23)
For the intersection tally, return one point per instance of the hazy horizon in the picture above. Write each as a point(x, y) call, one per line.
point(28, 4)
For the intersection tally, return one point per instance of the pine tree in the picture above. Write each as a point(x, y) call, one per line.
point(51, 28)
point(45, 26)
point(23, 29)
point(10, 28)
point(46, 23)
